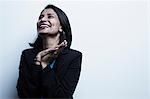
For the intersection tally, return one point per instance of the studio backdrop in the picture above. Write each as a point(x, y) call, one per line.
point(112, 35)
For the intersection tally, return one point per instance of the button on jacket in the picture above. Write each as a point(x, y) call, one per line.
point(57, 82)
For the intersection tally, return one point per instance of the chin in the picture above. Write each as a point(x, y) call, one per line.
point(42, 34)
point(45, 34)
point(42, 31)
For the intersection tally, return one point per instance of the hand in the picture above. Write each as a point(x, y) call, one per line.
point(45, 56)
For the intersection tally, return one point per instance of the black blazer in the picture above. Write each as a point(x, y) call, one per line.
point(59, 82)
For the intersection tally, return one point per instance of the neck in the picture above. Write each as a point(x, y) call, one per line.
point(50, 41)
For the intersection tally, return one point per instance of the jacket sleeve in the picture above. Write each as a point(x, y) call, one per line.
point(28, 85)
point(64, 87)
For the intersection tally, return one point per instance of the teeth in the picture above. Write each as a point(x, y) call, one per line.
point(43, 26)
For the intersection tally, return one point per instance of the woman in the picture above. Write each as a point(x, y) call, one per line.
point(50, 69)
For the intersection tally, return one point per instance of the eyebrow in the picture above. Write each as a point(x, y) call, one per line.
point(49, 14)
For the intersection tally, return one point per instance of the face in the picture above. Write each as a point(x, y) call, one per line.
point(48, 22)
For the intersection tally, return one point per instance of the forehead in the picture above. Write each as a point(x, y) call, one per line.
point(49, 11)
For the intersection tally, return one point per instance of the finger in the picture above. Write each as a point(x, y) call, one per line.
point(63, 44)
point(37, 63)
point(38, 57)
point(51, 50)
point(47, 51)
point(65, 41)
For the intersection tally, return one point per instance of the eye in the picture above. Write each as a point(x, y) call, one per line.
point(50, 16)
point(41, 16)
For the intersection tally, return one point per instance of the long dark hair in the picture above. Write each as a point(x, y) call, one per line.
point(66, 34)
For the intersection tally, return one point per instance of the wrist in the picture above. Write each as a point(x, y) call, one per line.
point(43, 64)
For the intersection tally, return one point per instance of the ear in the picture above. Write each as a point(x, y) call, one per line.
point(60, 29)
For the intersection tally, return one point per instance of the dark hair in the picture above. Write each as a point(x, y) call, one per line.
point(66, 34)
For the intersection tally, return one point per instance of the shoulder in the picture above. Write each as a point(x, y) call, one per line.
point(28, 55)
point(72, 52)
point(69, 55)
point(29, 51)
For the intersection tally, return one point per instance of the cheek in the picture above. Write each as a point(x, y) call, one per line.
point(37, 24)
point(57, 25)
point(56, 22)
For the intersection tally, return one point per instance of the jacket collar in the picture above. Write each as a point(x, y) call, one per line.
point(62, 51)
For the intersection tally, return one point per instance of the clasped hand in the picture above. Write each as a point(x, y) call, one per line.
point(45, 56)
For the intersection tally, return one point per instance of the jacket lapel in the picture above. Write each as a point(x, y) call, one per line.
point(61, 63)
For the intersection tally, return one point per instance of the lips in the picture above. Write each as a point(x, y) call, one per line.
point(43, 25)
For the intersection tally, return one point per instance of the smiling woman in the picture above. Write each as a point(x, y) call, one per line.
point(50, 69)
point(48, 23)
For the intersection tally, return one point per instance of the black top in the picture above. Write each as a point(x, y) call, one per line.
point(59, 82)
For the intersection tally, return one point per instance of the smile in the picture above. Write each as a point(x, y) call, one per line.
point(44, 26)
